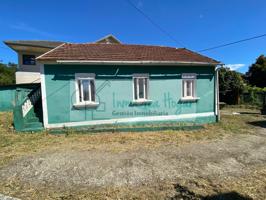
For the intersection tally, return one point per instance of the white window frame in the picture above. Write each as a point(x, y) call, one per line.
point(185, 78)
point(146, 92)
point(82, 103)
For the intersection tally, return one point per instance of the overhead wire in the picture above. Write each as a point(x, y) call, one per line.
point(232, 43)
point(162, 30)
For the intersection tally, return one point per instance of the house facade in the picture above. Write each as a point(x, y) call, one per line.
point(100, 84)
point(28, 69)
point(110, 83)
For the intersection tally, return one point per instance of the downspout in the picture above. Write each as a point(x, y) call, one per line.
point(217, 107)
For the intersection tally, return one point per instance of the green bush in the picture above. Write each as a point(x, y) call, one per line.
point(7, 74)
point(253, 95)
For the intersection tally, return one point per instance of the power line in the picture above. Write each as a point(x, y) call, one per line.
point(231, 43)
point(154, 23)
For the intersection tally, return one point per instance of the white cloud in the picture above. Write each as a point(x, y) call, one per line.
point(27, 28)
point(235, 66)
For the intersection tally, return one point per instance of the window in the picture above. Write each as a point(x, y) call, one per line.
point(140, 87)
point(85, 90)
point(189, 86)
point(28, 60)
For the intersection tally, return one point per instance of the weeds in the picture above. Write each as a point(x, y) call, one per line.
point(15, 145)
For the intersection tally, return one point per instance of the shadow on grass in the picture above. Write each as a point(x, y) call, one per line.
point(185, 194)
point(121, 129)
point(249, 113)
point(261, 123)
point(227, 196)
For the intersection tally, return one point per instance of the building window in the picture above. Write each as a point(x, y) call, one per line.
point(28, 60)
point(189, 86)
point(85, 90)
point(140, 87)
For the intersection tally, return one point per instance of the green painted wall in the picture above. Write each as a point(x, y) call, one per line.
point(12, 95)
point(7, 98)
point(115, 93)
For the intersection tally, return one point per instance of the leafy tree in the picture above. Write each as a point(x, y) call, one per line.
point(7, 73)
point(256, 74)
point(231, 85)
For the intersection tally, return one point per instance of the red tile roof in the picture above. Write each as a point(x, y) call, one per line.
point(123, 52)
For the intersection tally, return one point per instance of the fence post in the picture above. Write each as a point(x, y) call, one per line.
point(263, 110)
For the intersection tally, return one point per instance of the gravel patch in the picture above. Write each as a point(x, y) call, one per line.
point(217, 159)
point(3, 197)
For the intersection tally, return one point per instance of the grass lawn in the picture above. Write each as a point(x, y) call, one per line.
point(14, 146)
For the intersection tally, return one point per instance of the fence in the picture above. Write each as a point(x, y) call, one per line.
point(10, 95)
point(253, 98)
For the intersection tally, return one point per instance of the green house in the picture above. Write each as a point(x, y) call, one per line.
point(96, 84)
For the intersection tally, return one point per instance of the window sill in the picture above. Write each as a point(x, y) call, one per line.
point(141, 102)
point(190, 99)
point(86, 105)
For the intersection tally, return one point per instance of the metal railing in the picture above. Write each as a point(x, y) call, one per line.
point(28, 103)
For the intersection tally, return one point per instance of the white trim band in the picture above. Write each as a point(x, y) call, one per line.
point(44, 99)
point(133, 119)
point(144, 62)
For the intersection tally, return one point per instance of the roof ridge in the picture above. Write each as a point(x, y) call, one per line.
point(145, 45)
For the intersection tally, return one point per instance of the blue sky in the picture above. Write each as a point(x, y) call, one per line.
point(197, 24)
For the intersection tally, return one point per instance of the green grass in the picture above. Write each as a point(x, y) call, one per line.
point(14, 145)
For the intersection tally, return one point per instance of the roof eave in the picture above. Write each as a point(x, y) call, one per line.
point(27, 45)
point(147, 62)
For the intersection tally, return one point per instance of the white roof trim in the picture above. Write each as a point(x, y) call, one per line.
point(148, 62)
point(50, 50)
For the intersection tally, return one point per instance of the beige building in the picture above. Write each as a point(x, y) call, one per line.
point(28, 70)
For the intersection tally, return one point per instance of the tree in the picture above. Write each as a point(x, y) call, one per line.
point(256, 74)
point(231, 85)
point(7, 73)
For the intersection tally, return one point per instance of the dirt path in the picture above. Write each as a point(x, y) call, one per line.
point(233, 156)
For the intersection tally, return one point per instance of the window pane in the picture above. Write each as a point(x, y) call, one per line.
point(92, 90)
point(135, 89)
point(28, 60)
point(85, 84)
point(189, 93)
point(79, 88)
point(141, 88)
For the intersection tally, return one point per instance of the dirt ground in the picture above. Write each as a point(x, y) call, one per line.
point(229, 167)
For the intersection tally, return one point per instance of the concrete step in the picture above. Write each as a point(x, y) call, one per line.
point(33, 119)
point(33, 125)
